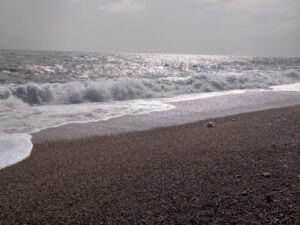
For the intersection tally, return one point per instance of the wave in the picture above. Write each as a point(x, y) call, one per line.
point(9, 70)
point(104, 90)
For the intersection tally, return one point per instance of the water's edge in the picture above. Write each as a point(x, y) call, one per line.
point(179, 110)
point(182, 112)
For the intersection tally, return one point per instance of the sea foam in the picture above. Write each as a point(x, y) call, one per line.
point(105, 90)
point(14, 148)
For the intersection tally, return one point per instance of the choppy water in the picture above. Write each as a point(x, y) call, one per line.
point(46, 89)
point(42, 78)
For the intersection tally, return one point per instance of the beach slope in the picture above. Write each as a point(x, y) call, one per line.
point(245, 170)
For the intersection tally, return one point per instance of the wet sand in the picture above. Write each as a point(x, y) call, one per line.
point(188, 111)
point(245, 170)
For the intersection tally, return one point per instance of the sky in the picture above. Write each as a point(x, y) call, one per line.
point(218, 27)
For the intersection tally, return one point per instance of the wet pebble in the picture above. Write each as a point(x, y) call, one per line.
point(244, 193)
point(210, 124)
point(269, 198)
point(266, 174)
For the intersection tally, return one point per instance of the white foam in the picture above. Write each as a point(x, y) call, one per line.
point(287, 87)
point(279, 88)
point(35, 118)
point(189, 97)
point(105, 90)
point(14, 148)
point(16, 120)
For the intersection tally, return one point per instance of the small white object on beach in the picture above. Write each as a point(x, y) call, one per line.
point(210, 124)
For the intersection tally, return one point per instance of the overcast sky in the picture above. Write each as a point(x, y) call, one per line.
point(235, 27)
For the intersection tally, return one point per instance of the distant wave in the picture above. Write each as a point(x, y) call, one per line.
point(104, 90)
point(9, 70)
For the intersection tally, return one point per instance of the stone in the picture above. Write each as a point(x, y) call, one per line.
point(266, 174)
point(210, 124)
point(244, 193)
point(269, 198)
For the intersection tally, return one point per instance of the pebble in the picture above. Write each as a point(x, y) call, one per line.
point(269, 198)
point(244, 193)
point(210, 124)
point(266, 174)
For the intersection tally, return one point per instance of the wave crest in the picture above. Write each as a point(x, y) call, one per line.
point(139, 88)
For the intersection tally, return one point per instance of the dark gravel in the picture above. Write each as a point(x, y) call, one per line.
point(178, 175)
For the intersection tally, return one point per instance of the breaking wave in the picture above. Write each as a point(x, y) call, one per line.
point(103, 90)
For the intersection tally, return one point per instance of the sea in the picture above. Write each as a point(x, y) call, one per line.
point(40, 89)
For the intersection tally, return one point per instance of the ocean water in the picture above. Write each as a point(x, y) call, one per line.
point(39, 90)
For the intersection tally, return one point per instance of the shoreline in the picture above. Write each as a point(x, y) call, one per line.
point(185, 111)
point(186, 174)
point(177, 111)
